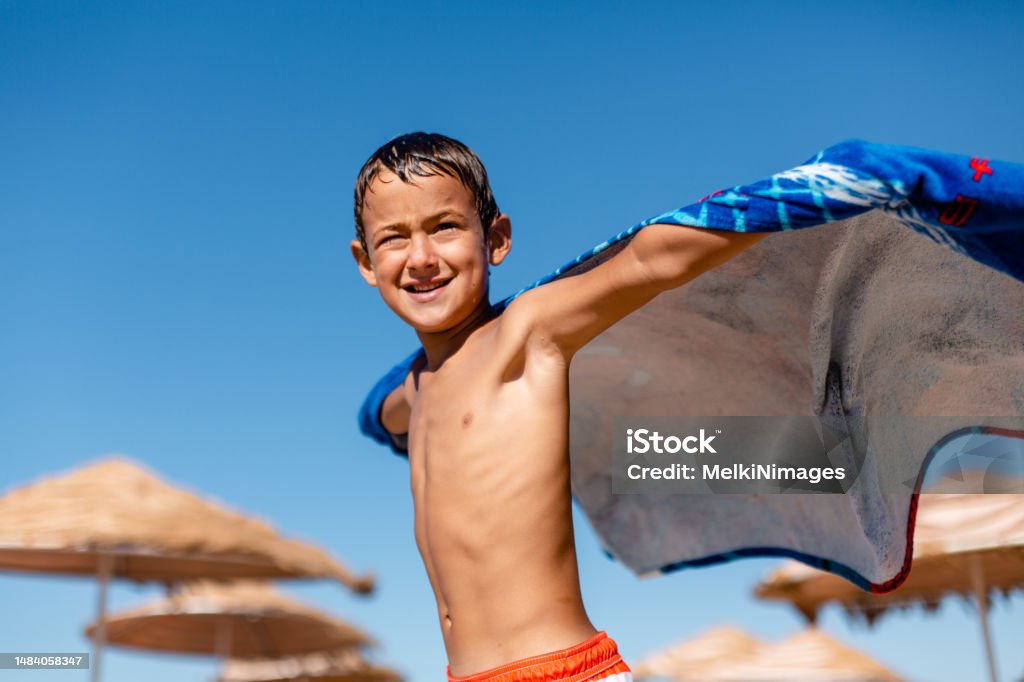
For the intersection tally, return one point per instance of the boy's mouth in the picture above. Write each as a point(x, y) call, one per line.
point(426, 291)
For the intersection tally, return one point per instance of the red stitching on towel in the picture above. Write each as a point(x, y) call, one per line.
point(980, 167)
point(958, 211)
point(713, 194)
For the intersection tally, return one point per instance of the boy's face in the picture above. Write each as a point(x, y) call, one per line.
point(426, 249)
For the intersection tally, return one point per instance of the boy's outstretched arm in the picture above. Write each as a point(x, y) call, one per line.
point(571, 311)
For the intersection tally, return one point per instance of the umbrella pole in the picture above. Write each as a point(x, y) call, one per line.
point(981, 596)
point(223, 642)
point(103, 570)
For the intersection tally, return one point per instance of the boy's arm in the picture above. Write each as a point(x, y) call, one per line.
point(384, 415)
point(570, 312)
point(395, 411)
point(393, 420)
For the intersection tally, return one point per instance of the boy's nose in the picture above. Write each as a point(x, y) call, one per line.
point(421, 255)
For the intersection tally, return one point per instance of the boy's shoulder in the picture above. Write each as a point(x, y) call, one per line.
point(524, 330)
point(497, 345)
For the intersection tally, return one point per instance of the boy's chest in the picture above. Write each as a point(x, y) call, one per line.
point(448, 402)
point(465, 387)
point(469, 410)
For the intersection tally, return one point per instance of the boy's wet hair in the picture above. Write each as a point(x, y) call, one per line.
point(424, 155)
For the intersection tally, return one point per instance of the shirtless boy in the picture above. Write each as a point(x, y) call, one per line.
point(486, 407)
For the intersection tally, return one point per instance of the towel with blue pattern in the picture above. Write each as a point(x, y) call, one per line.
point(860, 316)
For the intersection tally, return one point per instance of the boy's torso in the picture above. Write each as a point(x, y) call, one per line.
point(488, 444)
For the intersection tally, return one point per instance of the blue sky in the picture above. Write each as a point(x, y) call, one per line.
point(175, 209)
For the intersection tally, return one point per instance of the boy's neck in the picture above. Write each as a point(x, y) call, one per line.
point(440, 346)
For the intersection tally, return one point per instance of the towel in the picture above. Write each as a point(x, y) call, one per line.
point(904, 304)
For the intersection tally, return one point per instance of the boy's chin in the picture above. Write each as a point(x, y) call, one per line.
point(433, 326)
point(424, 324)
point(434, 322)
point(441, 319)
point(439, 323)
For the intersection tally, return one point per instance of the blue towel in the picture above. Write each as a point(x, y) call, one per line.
point(858, 317)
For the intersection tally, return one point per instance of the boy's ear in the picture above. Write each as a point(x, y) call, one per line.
point(363, 262)
point(499, 239)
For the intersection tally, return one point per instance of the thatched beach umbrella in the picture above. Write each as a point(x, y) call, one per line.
point(967, 544)
point(242, 620)
point(333, 666)
point(113, 518)
point(688, 660)
point(730, 655)
point(809, 656)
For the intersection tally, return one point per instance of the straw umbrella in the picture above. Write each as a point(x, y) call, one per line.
point(246, 619)
point(115, 519)
point(730, 655)
point(967, 544)
point(334, 666)
point(809, 656)
point(688, 660)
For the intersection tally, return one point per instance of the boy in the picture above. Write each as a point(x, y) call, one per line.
point(485, 407)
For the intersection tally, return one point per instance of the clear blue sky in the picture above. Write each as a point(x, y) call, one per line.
point(175, 208)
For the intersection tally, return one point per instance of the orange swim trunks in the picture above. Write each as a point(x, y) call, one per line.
point(595, 660)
